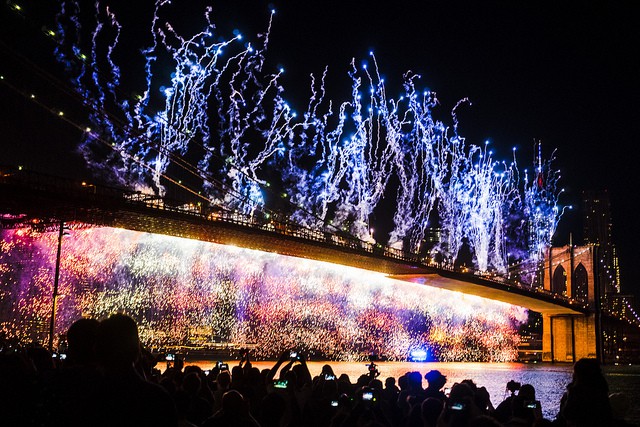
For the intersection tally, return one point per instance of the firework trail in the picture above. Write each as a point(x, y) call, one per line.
point(222, 117)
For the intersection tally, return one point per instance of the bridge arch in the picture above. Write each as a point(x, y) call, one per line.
point(559, 284)
point(580, 283)
point(574, 264)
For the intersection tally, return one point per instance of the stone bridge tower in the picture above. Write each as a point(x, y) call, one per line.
point(570, 271)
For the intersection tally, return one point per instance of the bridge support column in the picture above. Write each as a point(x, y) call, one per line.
point(567, 338)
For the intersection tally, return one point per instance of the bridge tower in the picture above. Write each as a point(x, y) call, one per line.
point(570, 271)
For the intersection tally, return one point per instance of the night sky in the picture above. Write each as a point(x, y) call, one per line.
point(564, 73)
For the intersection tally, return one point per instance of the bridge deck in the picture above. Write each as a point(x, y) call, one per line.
point(30, 199)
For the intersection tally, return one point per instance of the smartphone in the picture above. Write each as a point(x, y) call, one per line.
point(447, 391)
point(170, 357)
point(367, 395)
point(207, 372)
point(457, 406)
point(293, 354)
point(334, 403)
point(224, 366)
point(532, 404)
point(63, 356)
point(329, 377)
point(280, 383)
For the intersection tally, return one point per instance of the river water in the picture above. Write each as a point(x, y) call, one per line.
point(549, 380)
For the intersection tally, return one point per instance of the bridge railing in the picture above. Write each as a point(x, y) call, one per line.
point(258, 220)
point(261, 220)
point(265, 221)
point(268, 222)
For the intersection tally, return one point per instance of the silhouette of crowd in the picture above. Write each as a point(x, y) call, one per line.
point(109, 379)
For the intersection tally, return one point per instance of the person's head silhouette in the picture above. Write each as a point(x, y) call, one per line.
point(81, 337)
point(117, 343)
point(435, 379)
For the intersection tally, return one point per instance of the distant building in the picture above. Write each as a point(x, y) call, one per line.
point(597, 232)
point(619, 339)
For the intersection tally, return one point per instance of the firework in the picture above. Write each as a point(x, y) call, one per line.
point(183, 291)
point(226, 125)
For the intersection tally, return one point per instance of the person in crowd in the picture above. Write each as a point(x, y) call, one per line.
point(435, 383)
point(460, 408)
point(233, 413)
point(195, 393)
point(413, 394)
point(288, 386)
point(503, 411)
point(81, 342)
point(69, 397)
point(327, 372)
point(431, 409)
point(272, 410)
point(619, 409)
point(125, 397)
point(223, 385)
point(108, 379)
point(525, 411)
point(481, 397)
point(391, 390)
point(366, 410)
point(322, 404)
point(586, 400)
point(485, 421)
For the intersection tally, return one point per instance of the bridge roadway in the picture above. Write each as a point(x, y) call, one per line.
point(34, 200)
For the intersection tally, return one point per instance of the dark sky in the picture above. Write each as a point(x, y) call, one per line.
point(565, 73)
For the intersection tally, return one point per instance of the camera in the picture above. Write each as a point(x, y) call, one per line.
point(280, 383)
point(513, 386)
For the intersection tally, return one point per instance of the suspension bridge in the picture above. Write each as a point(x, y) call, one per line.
point(29, 199)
